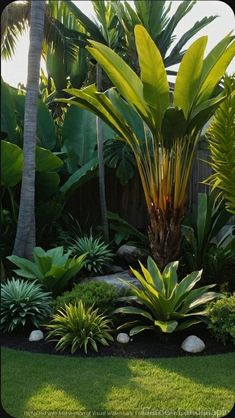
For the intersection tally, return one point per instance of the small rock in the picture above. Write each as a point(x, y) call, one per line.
point(193, 344)
point(131, 254)
point(123, 338)
point(36, 335)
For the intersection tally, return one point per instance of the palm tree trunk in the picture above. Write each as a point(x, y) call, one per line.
point(25, 234)
point(100, 143)
point(165, 235)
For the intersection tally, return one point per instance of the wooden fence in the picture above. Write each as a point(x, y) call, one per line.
point(128, 201)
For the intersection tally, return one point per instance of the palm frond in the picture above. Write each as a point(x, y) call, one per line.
point(14, 22)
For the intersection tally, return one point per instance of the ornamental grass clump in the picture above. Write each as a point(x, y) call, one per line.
point(98, 254)
point(166, 304)
point(23, 304)
point(77, 327)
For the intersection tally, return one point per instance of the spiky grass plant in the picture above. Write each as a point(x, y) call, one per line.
point(23, 303)
point(77, 327)
point(98, 254)
point(221, 135)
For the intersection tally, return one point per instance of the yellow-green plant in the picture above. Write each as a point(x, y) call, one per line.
point(221, 134)
point(76, 326)
point(165, 155)
point(166, 305)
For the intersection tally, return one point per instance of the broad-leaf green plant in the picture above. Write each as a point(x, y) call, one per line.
point(53, 268)
point(171, 130)
point(77, 327)
point(166, 304)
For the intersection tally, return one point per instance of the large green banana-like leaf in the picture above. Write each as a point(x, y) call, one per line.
point(8, 117)
point(81, 176)
point(213, 71)
point(11, 164)
point(79, 137)
point(189, 74)
point(153, 74)
point(103, 107)
point(128, 113)
point(122, 76)
point(46, 160)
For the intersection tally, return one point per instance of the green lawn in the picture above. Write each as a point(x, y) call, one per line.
point(47, 385)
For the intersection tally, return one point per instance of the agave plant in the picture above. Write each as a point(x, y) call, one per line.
point(221, 135)
point(52, 268)
point(168, 305)
point(22, 304)
point(77, 327)
point(165, 155)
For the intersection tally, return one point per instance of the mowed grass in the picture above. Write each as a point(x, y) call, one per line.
point(47, 385)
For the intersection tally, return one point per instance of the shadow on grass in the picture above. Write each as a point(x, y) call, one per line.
point(34, 383)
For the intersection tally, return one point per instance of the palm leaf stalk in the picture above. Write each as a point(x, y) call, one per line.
point(171, 131)
point(221, 135)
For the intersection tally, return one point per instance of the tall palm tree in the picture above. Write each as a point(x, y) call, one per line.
point(25, 234)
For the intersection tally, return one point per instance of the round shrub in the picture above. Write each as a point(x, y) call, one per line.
point(99, 294)
point(76, 326)
point(98, 254)
point(23, 303)
point(222, 319)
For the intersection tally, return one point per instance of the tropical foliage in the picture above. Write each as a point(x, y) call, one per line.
point(53, 268)
point(78, 327)
point(98, 254)
point(222, 319)
point(221, 135)
point(201, 247)
point(166, 304)
point(101, 295)
point(23, 304)
point(164, 159)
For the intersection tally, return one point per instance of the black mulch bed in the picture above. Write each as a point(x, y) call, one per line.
point(145, 345)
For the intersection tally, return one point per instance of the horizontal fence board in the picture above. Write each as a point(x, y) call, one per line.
point(128, 200)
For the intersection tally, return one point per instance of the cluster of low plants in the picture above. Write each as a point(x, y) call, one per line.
point(53, 268)
point(221, 315)
point(99, 294)
point(23, 304)
point(98, 254)
point(79, 327)
point(164, 304)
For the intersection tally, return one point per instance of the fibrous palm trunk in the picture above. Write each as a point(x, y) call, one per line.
point(165, 235)
point(100, 143)
point(25, 234)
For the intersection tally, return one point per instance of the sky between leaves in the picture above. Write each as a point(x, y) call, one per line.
point(15, 70)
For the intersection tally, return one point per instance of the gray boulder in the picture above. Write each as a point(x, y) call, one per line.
point(131, 254)
point(123, 338)
point(36, 335)
point(193, 344)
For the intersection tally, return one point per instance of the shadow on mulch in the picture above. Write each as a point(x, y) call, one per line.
point(145, 345)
